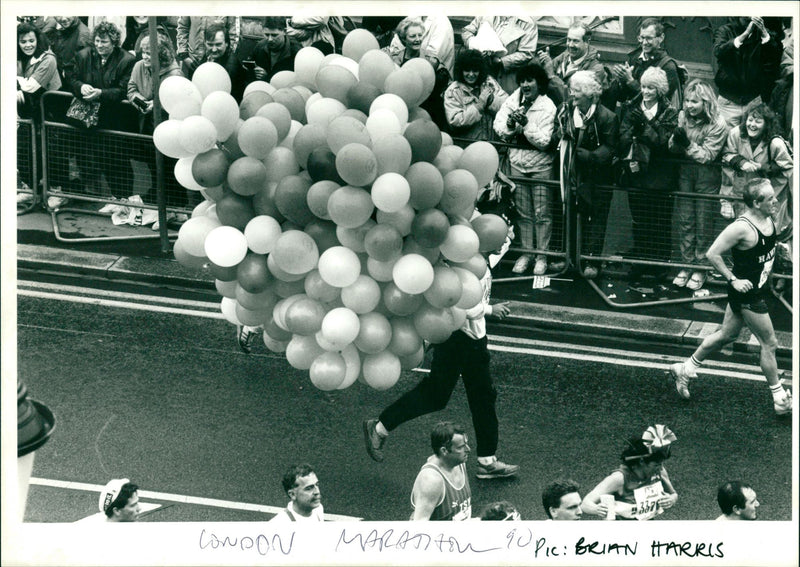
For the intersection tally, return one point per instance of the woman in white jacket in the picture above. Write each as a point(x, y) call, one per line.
point(527, 118)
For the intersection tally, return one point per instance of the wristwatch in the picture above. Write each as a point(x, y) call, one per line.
point(732, 279)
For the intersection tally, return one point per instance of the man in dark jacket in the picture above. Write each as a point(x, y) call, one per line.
point(275, 52)
point(578, 56)
point(218, 50)
point(69, 36)
point(625, 85)
point(748, 58)
point(100, 74)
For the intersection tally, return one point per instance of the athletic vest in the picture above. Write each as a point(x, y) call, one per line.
point(456, 505)
point(755, 264)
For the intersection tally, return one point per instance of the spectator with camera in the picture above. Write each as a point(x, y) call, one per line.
point(275, 52)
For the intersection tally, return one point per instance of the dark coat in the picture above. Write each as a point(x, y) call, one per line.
point(655, 134)
point(66, 43)
point(623, 91)
point(747, 72)
point(284, 61)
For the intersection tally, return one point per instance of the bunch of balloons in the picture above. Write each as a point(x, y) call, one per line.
point(337, 215)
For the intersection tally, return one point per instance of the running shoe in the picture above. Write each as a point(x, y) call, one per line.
point(373, 441)
point(678, 372)
point(245, 336)
point(784, 406)
point(497, 469)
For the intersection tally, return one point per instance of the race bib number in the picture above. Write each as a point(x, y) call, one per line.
point(647, 498)
point(765, 272)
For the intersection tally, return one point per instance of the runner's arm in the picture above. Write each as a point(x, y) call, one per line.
point(428, 492)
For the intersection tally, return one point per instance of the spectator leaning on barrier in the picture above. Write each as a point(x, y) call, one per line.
point(748, 58)
point(518, 35)
point(561, 500)
point(699, 137)
point(70, 36)
point(37, 70)
point(578, 56)
point(473, 98)
point(305, 500)
point(647, 124)
point(191, 38)
point(527, 119)
point(275, 52)
point(591, 132)
point(738, 501)
point(625, 84)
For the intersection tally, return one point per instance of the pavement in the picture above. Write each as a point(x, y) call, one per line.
point(566, 305)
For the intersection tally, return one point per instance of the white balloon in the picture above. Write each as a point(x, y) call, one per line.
point(226, 246)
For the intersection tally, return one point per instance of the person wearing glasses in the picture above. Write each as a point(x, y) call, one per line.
point(625, 84)
point(561, 500)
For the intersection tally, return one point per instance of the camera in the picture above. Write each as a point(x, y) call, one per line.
point(139, 103)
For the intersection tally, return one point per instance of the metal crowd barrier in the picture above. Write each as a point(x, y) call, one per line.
point(112, 156)
point(27, 166)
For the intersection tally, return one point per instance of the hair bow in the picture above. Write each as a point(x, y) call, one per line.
point(658, 437)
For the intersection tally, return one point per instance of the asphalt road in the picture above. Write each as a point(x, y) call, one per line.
point(169, 401)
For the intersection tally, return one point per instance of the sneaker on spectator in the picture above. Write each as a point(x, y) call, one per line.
point(56, 202)
point(783, 406)
point(497, 469)
point(540, 268)
point(590, 271)
point(558, 265)
point(681, 279)
point(24, 198)
point(245, 335)
point(373, 441)
point(521, 265)
point(697, 281)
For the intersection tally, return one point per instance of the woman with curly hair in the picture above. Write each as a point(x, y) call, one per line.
point(37, 69)
point(699, 137)
point(473, 98)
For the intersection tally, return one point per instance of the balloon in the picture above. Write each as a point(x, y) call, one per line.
point(433, 323)
point(225, 246)
point(340, 327)
point(288, 141)
point(257, 137)
point(283, 79)
point(393, 103)
point(318, 195)
point(447, 159)
point(383, 122)
point(445, 291)
point(357, 165)
point(167, 139)
point(279, 273)
point(192, 234)
point(328, 371)
point(225, 274)
point(381, 371)
point(344, 130)
point(477, 265)
point(274, 345)
point(471, 289)
point(274, 331)
point(253, 102)
point(447, 139)
point(210, 168)
point(400, 219)
point(201, 208)
point(304, 316)
point(375, 333)
point(399, 302)
point(226, 289)
point(406, 84)
point(322, 166)
point(295, 252)
point(261, 233)
point(223, 112)
point(302, 351)
point(316, 288)
point(347, 63)
point(414, 360)
point(278, 116)
point(339, 266)
point(210, 77)
point(380, 271)
point(405, 338)
point(290, 198)
point(362, 296)
point(373, 68)
point(183, 174)
point(178, 92)
point(491, 230)
point(293, 101)
point(321, 112)
point(383, 243)
point(334, 81)
point(197, 134)
point(231, 145)
point(393, 153)
point(352, 360)
point(252, 273)
point(426, 184)
point(425, 139)
point(256, 301)
point(480, 159)
point(258, 86)
point(461, 243)
point(187, 260)
point(279, 163)
point(306, 64)
point(253, 318)
point(460, 193)
point(350, 207)
point(323, 232)
point(411, 246)
point(426, 72)
point(228, 308)
point(390, 192)
point(309, 138)
point(246, 176)
point(357, 43)
point(412, 273)
point(418, 113)
point(357, 114)
point(361, 95)
point(263, 202)
point(430, 228)
point(353, 238)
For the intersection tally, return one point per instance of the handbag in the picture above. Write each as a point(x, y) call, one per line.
point(83, 113)
point(638, 157)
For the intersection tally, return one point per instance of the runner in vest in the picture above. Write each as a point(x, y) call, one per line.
point(751, 241)
point(441, 491)
point(305, 502)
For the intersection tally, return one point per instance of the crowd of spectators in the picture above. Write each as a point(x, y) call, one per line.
point(642, 125)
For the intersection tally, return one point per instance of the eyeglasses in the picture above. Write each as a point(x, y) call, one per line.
point(646, 39)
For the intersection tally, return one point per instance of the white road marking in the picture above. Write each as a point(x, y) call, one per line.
point(197, 500)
